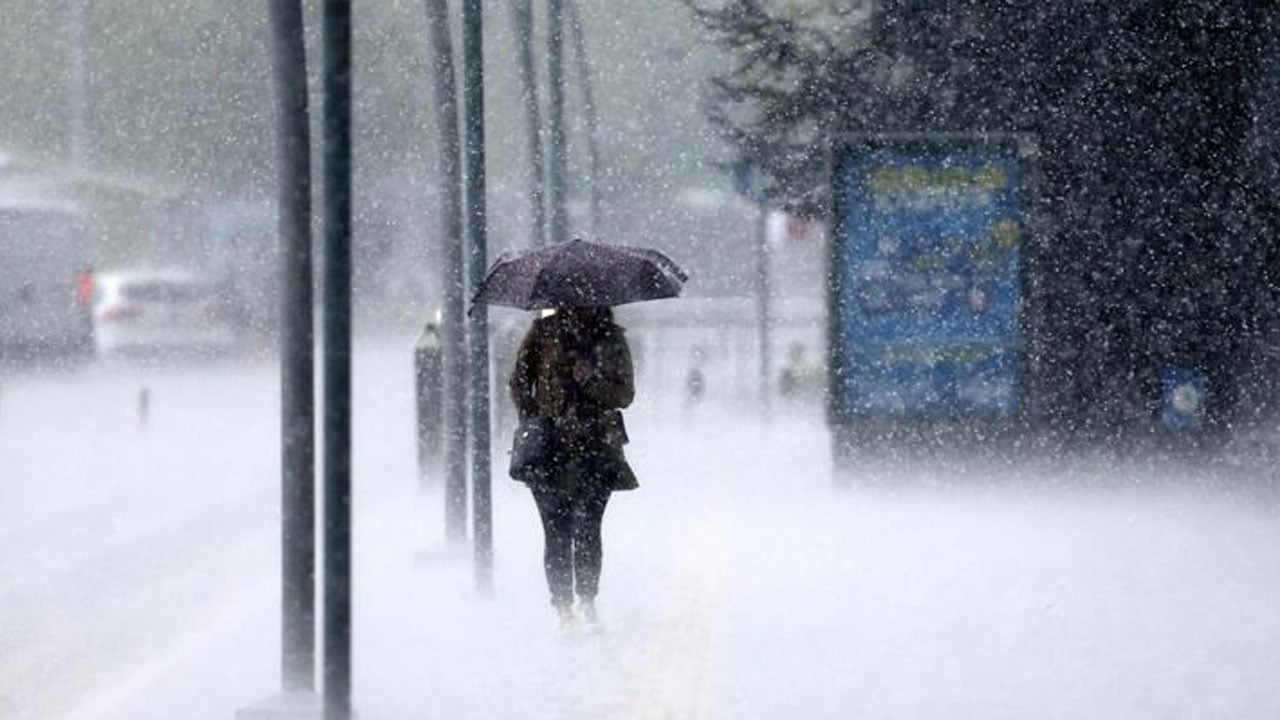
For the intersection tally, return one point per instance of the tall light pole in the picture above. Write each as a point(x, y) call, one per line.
point(522, 19)
point(749, 181)
point(558, 170)
point(452, 323)
point(337, 359)
point(78, 84)
point(478, 337)
point(589, 110)
point(297, 374)
point(763, 292)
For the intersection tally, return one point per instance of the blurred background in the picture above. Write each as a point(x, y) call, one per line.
point(150, 131)
point(140, 393)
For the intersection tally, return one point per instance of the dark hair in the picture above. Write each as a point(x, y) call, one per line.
point(585, 324)
point(589, 314)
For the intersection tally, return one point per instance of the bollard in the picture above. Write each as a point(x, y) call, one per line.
point(144, 407)
point(695, 380)
point(428, 372)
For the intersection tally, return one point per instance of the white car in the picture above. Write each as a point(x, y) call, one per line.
point(160, 311)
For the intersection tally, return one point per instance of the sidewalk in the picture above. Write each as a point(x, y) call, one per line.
point(740, 583)
point(426, 645)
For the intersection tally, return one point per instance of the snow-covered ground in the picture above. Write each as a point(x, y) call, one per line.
point(139, 571)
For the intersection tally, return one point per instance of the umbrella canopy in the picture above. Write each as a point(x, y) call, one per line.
point(579, 274)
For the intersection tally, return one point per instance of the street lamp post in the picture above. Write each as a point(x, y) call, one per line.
point(337, 359)
point(558, 171)
point(522, 20)
point(297, 374)
point(473, 90)
point(78, 84)
point(452, 322)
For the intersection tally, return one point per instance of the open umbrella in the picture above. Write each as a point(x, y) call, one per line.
point(579, 274)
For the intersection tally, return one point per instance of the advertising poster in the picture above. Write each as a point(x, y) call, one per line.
point(929, 297)
point(1183, 393)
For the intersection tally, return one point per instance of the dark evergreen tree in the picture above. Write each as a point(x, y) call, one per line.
point(1156, 245)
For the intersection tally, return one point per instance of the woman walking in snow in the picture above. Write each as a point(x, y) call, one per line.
point(572, 377)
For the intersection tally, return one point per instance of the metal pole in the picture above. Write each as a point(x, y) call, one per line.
point(522, 19)
point(429, 398)
point(337, 359)
point(473, 88)
point(297, 352)
point(588, 109)
point(762, 296)
point(557, 174)
point(78, 85)
point(452, 323)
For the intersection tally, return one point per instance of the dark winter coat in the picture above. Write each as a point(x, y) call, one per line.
point(579, 373)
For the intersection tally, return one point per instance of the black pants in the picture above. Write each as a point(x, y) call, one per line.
point(573, 552)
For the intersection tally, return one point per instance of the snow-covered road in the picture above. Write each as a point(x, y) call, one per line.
point(120, 536)
point(138, 576)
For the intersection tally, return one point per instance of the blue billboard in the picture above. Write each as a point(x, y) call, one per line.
point(927, 299)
